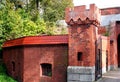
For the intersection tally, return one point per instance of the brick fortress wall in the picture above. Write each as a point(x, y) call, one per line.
point(82, 36)
point(37, 59)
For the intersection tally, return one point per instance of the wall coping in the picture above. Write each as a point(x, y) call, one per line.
point(110, 11)
point(36, 40)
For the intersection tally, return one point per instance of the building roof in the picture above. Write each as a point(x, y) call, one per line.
point(36, 40)
point(109, 15)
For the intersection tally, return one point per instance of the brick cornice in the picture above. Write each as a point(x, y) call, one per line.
point(37, 40)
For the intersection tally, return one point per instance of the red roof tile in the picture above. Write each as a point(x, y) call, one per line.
point(35, 40)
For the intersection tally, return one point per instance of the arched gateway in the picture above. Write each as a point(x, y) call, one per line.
point(118, 50)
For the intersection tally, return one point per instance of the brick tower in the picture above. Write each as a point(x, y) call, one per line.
point(82, 25)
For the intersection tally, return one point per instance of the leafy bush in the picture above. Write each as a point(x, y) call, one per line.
point(2, 69)
point(18, 23)
point(3, 76)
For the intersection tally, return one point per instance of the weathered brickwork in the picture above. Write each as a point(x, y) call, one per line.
point(28, 60)
point(24, 58)
point(110, 11)
point(82, 37)
point(81, 41)
point(114, 44)
point(34, 56)
point(82, 34)
point(102, 30)
point(13, 57)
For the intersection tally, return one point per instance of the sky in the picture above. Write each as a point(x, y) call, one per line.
point(99, 3)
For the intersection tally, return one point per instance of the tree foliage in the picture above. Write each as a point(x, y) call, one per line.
point(18, 23)
point(18, 19)
point(52, 10)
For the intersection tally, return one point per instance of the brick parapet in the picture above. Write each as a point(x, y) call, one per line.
point(110, 11)
point(80, 15)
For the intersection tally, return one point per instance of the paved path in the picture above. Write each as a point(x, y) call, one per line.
point(111, 76)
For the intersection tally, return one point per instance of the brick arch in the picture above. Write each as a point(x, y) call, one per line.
point(117, 28)
point(118, 49)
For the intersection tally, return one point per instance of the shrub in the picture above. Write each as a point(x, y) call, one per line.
point(3, 74)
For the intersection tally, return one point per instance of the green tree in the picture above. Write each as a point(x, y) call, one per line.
point(51, 11)
point(54, 10)
point(18, 23)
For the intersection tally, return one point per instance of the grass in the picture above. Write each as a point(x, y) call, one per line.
point(6, 78)
point(3, 74)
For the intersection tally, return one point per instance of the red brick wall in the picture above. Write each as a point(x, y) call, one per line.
point(101, 30)
point(82, 34)
point(33, 56)
point(82, 39)
point(113, 43)
point(114, 32)
point(108, 49)
point(14, 54)
point(52, 54)
point(118, 28)
point(109, 11)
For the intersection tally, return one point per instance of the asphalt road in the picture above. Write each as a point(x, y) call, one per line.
point(111, 76)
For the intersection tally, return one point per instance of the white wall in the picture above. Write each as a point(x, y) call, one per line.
point(106, 19)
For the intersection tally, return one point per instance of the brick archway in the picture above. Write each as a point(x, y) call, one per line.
point(118, 50)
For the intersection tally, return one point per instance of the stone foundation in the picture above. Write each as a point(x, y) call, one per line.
point(113, 67)
point(80, 74)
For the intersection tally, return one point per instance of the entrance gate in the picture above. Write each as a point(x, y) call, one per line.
point(118, 49)
point(98, 63)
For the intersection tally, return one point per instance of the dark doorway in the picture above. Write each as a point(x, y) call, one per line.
point(118, 50)
point(98, 65)
point(106, 60)
point(98, 62)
